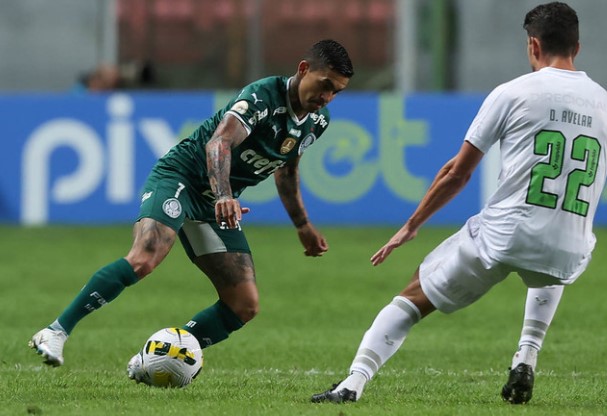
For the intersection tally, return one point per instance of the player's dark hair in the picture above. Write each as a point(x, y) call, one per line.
point(556, 26)
point(330, 54)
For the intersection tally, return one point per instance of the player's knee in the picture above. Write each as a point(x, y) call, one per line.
point(248, 311)
point(142, 266)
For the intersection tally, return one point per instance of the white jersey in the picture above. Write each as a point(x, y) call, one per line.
point(552, 129)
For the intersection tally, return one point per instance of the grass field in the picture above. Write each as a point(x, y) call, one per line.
point(313, 314)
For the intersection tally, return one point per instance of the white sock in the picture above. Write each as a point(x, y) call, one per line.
point(540, 307)
point(57, 326)
point(380, 342)
point(355, 381)
point(527, 355)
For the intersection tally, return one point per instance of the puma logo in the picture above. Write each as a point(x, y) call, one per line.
point(276, 130)
point(257, 100)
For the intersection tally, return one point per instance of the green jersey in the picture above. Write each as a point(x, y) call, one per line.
point(275, 136)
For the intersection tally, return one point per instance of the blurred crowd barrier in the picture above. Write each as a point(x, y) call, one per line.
point(396, 45)
point(226, 43)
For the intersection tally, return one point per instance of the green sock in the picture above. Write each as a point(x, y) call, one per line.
point(213, 324)
point(105, 285)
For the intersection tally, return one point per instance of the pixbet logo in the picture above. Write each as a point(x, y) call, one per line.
point(114, 162)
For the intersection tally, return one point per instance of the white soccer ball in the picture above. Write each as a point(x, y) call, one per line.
point(171, 357)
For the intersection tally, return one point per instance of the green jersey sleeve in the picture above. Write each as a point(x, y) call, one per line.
point(255, 102)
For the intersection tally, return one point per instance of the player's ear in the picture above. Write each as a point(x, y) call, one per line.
point(577, 49)
point(535, 47)
point(303, 68)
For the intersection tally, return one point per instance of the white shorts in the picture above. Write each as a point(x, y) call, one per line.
point(455, 274)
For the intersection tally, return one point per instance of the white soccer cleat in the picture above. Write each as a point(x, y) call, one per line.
point(49, 343)
point(135, 370)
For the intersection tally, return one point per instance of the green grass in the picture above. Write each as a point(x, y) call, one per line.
point(313, 315)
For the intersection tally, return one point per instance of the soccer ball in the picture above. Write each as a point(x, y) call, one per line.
point(171, 357)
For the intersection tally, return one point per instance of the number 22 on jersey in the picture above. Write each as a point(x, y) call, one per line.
point(552, 144)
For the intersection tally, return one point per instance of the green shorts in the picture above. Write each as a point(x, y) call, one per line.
point(170, 200)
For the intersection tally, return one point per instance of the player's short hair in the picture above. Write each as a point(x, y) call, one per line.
point(556, 26)
point(330, 54)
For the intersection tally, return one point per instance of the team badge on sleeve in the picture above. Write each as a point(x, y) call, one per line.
point(240, 107)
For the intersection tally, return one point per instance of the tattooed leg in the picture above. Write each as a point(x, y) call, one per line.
point(233, 275)
point(152, 241)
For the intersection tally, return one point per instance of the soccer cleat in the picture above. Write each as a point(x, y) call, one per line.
point(519, 388)
point(341, 396)
point(135, 370)
point(49, 343)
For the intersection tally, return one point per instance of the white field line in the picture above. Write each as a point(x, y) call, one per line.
point(428, 371)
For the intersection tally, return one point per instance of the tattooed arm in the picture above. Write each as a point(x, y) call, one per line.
point(229, 134)
point(287, 184)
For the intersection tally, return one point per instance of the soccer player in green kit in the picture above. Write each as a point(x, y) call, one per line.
point(192, 192)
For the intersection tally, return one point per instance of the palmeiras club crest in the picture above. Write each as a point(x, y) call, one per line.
point(306, 142)
point(172, 207)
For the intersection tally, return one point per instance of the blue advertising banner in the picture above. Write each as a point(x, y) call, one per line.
point(82, 159)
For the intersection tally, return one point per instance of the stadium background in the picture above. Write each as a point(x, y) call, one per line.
point(420, 79)
point(422, 70)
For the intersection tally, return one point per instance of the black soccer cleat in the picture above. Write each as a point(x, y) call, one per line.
point(519, 388)
point(344, 395)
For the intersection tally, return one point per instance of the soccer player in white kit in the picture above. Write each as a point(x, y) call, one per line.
point(551, 125)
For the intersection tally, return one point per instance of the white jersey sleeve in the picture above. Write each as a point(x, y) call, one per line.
point(487, 127)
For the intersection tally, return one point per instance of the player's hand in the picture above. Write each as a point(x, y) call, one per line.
point(228, 212)
point(314, 243)
point(402, 236)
